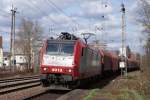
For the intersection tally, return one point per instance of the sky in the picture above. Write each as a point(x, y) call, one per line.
point(76, 16)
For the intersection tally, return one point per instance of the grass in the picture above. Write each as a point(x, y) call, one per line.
point(123, 94)
point(127, 94)
point(91, 94)
point(130, 77)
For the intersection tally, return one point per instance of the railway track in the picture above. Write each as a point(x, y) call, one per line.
point(13, 84)
point(46, 95)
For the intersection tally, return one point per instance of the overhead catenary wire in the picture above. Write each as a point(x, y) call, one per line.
point(1, 31)
point(60, 10)
point(4, 13)
point(76, 24)
point(21, 14)
point(43, 12)
point(103, 25)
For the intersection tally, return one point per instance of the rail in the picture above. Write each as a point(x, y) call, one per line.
point(15, 84)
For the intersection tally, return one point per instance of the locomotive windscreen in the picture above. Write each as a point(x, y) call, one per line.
point(60, 48)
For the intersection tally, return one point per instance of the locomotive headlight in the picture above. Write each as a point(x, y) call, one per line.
point(69, 70)
point(44, 69)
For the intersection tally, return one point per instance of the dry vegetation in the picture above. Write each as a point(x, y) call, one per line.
point(134, 87)
point(144, 19)
point(28, 41)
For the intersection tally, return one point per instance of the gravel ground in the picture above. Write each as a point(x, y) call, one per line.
point(38, 92)
point(19, 95)
point(14, 75)
point(77, 94)
point(51, 95)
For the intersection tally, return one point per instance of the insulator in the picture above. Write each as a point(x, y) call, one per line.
point(51, 38)
point(123, 8)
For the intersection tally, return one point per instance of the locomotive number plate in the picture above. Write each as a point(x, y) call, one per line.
point(57, 70)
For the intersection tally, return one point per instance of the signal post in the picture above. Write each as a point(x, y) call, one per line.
point(123, 55)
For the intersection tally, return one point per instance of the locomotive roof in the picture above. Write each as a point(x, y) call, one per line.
point(60, 41)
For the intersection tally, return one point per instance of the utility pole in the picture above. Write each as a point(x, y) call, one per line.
point(31, 53)
point(12, 41)
point(103, 25)
point(123, 65)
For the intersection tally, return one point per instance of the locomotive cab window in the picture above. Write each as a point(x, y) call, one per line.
point(60, 48)
point(52, 48)
point(67, 49)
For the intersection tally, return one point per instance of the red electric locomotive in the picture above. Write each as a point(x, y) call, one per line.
point(66, 61)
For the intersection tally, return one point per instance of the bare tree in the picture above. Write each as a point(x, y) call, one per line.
point(28, 36)
point(144, 18)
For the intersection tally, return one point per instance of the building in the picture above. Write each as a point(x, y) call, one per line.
point(21, 57)
point(6, 59)
point(21, 61)
point(1, 57)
